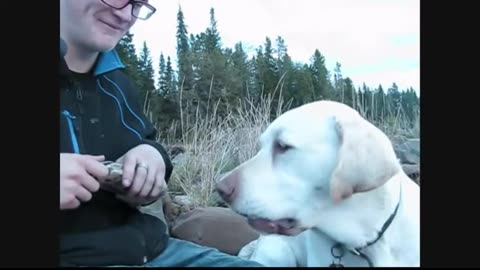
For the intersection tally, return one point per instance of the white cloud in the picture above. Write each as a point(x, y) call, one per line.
point(376, 41)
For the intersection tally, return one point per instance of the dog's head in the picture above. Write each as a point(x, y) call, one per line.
point(311, 160)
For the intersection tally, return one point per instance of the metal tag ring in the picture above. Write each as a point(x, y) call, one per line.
point(338, 251)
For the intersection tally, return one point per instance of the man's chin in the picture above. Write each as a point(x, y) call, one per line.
point(107, 46)
point(105, 42)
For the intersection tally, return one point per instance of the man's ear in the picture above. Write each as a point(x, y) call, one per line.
point(366, 159)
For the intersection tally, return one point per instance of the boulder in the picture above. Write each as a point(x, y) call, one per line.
point(408, 152)
point(413, 171)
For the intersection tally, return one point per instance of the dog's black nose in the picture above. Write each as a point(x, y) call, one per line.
point(288, 223)
point(226, 190)
point(227, 187)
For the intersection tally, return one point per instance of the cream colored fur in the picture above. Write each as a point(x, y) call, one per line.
point(325, 166)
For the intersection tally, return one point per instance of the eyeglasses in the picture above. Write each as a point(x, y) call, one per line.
point(141, 9)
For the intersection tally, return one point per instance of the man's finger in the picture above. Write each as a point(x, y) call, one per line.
point(149, 183)
point(74, 203)
point(159, 187)
point(89, 183)
point(97, 158)
point(138, 182)
point(128, 170)
point(96, 168)
point(82, 194)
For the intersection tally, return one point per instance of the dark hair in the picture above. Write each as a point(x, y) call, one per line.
point(63, 52)
point(63, 48)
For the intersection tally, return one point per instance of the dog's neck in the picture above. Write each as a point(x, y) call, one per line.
point(386, 225)
point(363, 228)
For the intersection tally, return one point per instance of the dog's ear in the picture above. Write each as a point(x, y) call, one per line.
point(366, 159)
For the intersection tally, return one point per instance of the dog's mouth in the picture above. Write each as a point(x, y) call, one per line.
point(284, 226)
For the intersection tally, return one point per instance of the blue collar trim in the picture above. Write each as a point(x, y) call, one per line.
point(108, 61)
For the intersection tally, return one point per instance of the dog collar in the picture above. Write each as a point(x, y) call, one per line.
point(338, 250)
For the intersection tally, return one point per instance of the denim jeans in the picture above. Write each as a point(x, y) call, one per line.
point(187, 254)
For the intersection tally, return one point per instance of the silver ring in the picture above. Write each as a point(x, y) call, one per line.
point(142, 165)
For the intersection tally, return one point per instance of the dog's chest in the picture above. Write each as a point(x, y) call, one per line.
point(315, 250)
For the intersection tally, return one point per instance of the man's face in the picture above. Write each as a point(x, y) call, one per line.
point(92, 25)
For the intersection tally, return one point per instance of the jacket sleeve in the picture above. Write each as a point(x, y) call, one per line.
point(150, 132)
point(150, 139)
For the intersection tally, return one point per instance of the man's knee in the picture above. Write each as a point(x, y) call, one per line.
point(188, 254)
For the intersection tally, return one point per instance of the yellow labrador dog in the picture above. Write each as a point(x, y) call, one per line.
point(326, 189)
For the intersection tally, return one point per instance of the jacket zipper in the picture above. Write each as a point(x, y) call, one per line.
point(79, 94)
point(120, 109)
point(145, 256)
point(79, 98)
point(73, 136)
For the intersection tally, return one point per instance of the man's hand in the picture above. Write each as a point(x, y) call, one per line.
point(143, 175)
point(77, 178)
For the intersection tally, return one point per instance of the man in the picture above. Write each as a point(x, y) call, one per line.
point(101, 120)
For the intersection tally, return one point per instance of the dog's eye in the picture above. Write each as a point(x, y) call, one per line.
point(282, 147)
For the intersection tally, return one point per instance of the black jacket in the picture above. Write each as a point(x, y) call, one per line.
point(100, 114)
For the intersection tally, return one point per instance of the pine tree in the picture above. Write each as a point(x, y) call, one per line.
point(368, 102)
point(266, 71)
point(165, 105)
point(284, 66)
point(410, 104)
point(320, 80)
point(348, 92)
point(146, 76)
point(380, 104)
point(212, 37)
point(127, 53)
point(239, 71)
point(301, 89)
point(184, 58)
point(394, 99)
point(339, 94)
point(258, 68)
point(170, 77)
point(254, 86)
point(162, 82)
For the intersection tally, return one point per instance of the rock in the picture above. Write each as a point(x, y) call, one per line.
point(218, 200)
point(177, 153)
point(413, 171)
point(408, 152)
point(176, 150)
point(179, 159)
point(183, 200)
point(171, 209)
point(398, 139)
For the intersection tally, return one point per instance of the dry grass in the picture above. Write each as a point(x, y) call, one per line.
point(393, 123)
point(214, 145)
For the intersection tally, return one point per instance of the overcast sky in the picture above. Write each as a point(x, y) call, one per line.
point(375, 41)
